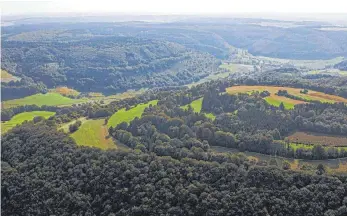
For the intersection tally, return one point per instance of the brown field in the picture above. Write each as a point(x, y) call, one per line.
point(7, 77)
point(311, 95)
point(316, 138)
point(65, 91)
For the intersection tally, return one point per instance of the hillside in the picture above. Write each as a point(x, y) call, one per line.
point(107, 64)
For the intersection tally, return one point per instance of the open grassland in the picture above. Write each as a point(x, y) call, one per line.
point(99, 97)
point(128, 115)
point(196, 106)
point(21, 117)
point(49, 99)
point(65, 91)
point(316, 138)
point(94, 133)
point(311, 95)
point(287, 102)
point(334, 166)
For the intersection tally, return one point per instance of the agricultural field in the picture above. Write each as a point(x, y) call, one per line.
point(65, 91)
point(21, 117)
point(128, 115)
point(49, 99)
point(7, 77)
point(316, 138)
point(94, 133)
point(334, 166)
point(275, 100)
point(196, 106)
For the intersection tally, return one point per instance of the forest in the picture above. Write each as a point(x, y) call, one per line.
point(108, 65)
point(182, 144)
point(44, 173)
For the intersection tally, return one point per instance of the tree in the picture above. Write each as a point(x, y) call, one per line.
point(286, 165)
point(281, 107)
point(320, 169)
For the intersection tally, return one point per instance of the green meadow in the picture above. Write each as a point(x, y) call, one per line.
point(94, 133)
point(49, 99)
point(21, 117)
point(196, 106)
point(275, 102)
point(128, 115)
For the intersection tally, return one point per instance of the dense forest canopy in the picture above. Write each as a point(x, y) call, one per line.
point(70, 180)
point(107, 64)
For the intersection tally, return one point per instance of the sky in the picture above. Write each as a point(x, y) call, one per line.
point(14, 7)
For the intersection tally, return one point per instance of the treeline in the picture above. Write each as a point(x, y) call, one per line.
point(69, 180)
point(7, 114)
point(329, 85)
point(18, 89)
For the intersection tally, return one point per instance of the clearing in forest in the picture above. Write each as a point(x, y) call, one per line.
point(196, 106)
point(124, 115)
point(317, 138)
point(21, 117)
point(94, 133)
point(275, 100)
point(48, 99)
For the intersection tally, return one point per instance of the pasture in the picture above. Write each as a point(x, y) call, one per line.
point(317, 138)
point(21, 117)
point(49, 99)
point(128, 115)
point(311, 95)
point(94, 133)
point(196, 106)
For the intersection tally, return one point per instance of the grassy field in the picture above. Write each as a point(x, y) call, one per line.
point(49, 99)
point(196, 106)
point(128, 115)
point(316, 138)
point(5, 74)
point(65, 126)
point(287, 102)
point(65, 91)
point(334, 166)
point(94, 133)
point(20, 118)
point(7, 77)
point(97, 96)
point(275, 100)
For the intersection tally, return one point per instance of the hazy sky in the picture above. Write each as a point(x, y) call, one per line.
point(174, 6)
